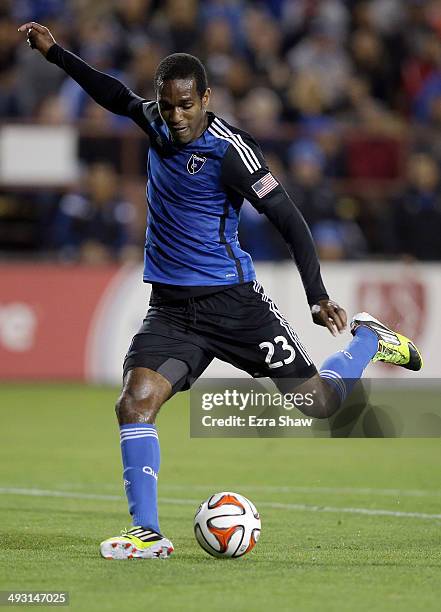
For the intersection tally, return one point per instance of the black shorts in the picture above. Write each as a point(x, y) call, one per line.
point(239, 325)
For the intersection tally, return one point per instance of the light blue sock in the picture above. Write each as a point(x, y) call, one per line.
point(343, 369)
point(141, 459)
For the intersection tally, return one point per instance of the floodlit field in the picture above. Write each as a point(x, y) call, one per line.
point(346, 524)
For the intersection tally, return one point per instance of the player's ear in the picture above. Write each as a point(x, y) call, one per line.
point(206, 98)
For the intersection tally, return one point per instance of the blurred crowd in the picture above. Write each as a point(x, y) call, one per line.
point(344, 96)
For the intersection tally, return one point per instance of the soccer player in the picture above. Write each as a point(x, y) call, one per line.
point(206, 302)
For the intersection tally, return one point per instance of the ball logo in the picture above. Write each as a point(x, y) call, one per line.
point(150, 471)
point(195, 163)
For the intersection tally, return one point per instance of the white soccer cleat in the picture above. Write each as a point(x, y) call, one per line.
point(137, 543)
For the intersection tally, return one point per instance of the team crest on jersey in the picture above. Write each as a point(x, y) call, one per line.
point(195, 163)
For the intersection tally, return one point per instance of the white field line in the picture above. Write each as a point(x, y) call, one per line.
point(285, 489)
point(195, 502)
point(319, 490)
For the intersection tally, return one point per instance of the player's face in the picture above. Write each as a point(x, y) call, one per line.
point(182, 109)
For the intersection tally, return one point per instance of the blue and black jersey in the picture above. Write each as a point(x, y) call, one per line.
point(193, 218)
point(195, 192)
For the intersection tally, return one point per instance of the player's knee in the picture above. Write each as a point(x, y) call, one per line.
point(141, 399)
point(318, 408)
point(130, 408)
point(322, 408)
point(322, 402)
point(326, 401)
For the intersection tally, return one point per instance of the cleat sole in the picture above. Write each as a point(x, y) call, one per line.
point(415, 361)
point(122, 550)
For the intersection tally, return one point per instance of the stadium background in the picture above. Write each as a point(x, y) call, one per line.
point(345, 98)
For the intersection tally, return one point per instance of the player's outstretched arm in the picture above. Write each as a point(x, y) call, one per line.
point(103, 88)
point(287, 218)
point(39, 37)
point(244, 169)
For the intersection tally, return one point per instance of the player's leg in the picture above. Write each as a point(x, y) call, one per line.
point(338, 375)
point(372, 341)
point(155, 368)
point(144, 392)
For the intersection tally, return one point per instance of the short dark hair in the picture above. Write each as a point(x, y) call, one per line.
point(181, 66)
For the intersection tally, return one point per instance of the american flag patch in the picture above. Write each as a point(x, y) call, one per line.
point(266, 184)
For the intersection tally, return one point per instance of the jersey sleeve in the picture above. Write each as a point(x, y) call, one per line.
point(103, 88)
point(244, 170)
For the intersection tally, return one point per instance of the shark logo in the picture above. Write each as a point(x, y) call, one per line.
point(195, 163)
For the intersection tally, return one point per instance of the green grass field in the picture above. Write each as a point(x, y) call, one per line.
point(346, 523)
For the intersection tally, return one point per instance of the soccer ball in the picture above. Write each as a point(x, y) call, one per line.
point(227, 525)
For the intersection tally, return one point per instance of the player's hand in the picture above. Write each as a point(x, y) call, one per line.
point(39, 37)
point(329, 314)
